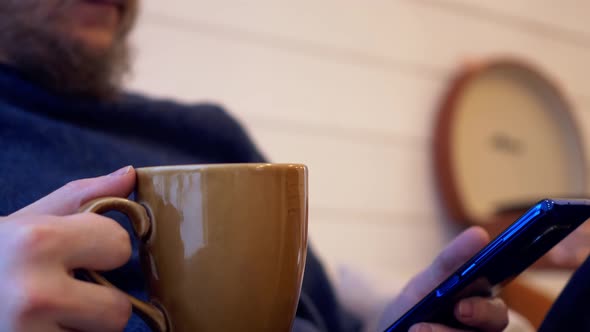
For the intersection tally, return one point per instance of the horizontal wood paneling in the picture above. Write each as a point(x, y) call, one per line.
point(412, 35)
point(274, 85)
point(568, 19)
point(358, 178)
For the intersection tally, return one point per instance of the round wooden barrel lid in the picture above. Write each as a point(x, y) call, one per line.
point(505, 136)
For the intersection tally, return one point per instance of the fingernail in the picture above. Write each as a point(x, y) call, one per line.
point(121, 171)
point(421, 328)
point(465, 309)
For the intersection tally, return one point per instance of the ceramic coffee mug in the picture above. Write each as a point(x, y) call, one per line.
point(223, 246)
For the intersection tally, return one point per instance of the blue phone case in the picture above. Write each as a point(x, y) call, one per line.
point(505, 257)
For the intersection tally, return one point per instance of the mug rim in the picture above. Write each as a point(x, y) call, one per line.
point(188, 167)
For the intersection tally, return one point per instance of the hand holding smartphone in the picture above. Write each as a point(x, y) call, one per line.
point(525, 241)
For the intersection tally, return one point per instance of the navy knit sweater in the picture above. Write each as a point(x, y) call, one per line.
point(48, 140)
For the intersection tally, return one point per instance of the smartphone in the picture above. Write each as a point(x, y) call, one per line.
point(521, 244)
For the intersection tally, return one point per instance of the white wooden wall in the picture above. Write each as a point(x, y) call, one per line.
point(350, 88)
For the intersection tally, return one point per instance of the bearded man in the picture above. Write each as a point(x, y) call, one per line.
point(65, 119)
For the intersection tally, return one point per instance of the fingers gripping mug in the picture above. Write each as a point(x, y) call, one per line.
point(223, 246)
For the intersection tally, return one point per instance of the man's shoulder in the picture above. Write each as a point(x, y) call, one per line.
point(174, 107)
point(212, 117)
point(206, 120)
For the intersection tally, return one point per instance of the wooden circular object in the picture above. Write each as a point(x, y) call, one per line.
point(505, 136)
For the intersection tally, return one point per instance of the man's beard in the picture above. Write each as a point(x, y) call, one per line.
point(64, 65)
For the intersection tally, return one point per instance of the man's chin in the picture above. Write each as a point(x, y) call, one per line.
point(68, 54)
point(84, 62)
point(93, 41)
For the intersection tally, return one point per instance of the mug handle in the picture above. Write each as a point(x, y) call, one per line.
point(142, 225)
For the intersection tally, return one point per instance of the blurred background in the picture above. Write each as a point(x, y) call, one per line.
point(351, 88)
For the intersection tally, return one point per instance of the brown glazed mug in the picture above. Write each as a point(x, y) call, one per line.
point(223, 246)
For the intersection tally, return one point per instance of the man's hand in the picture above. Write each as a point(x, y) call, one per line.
point(483, 314)
point(44, 242)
